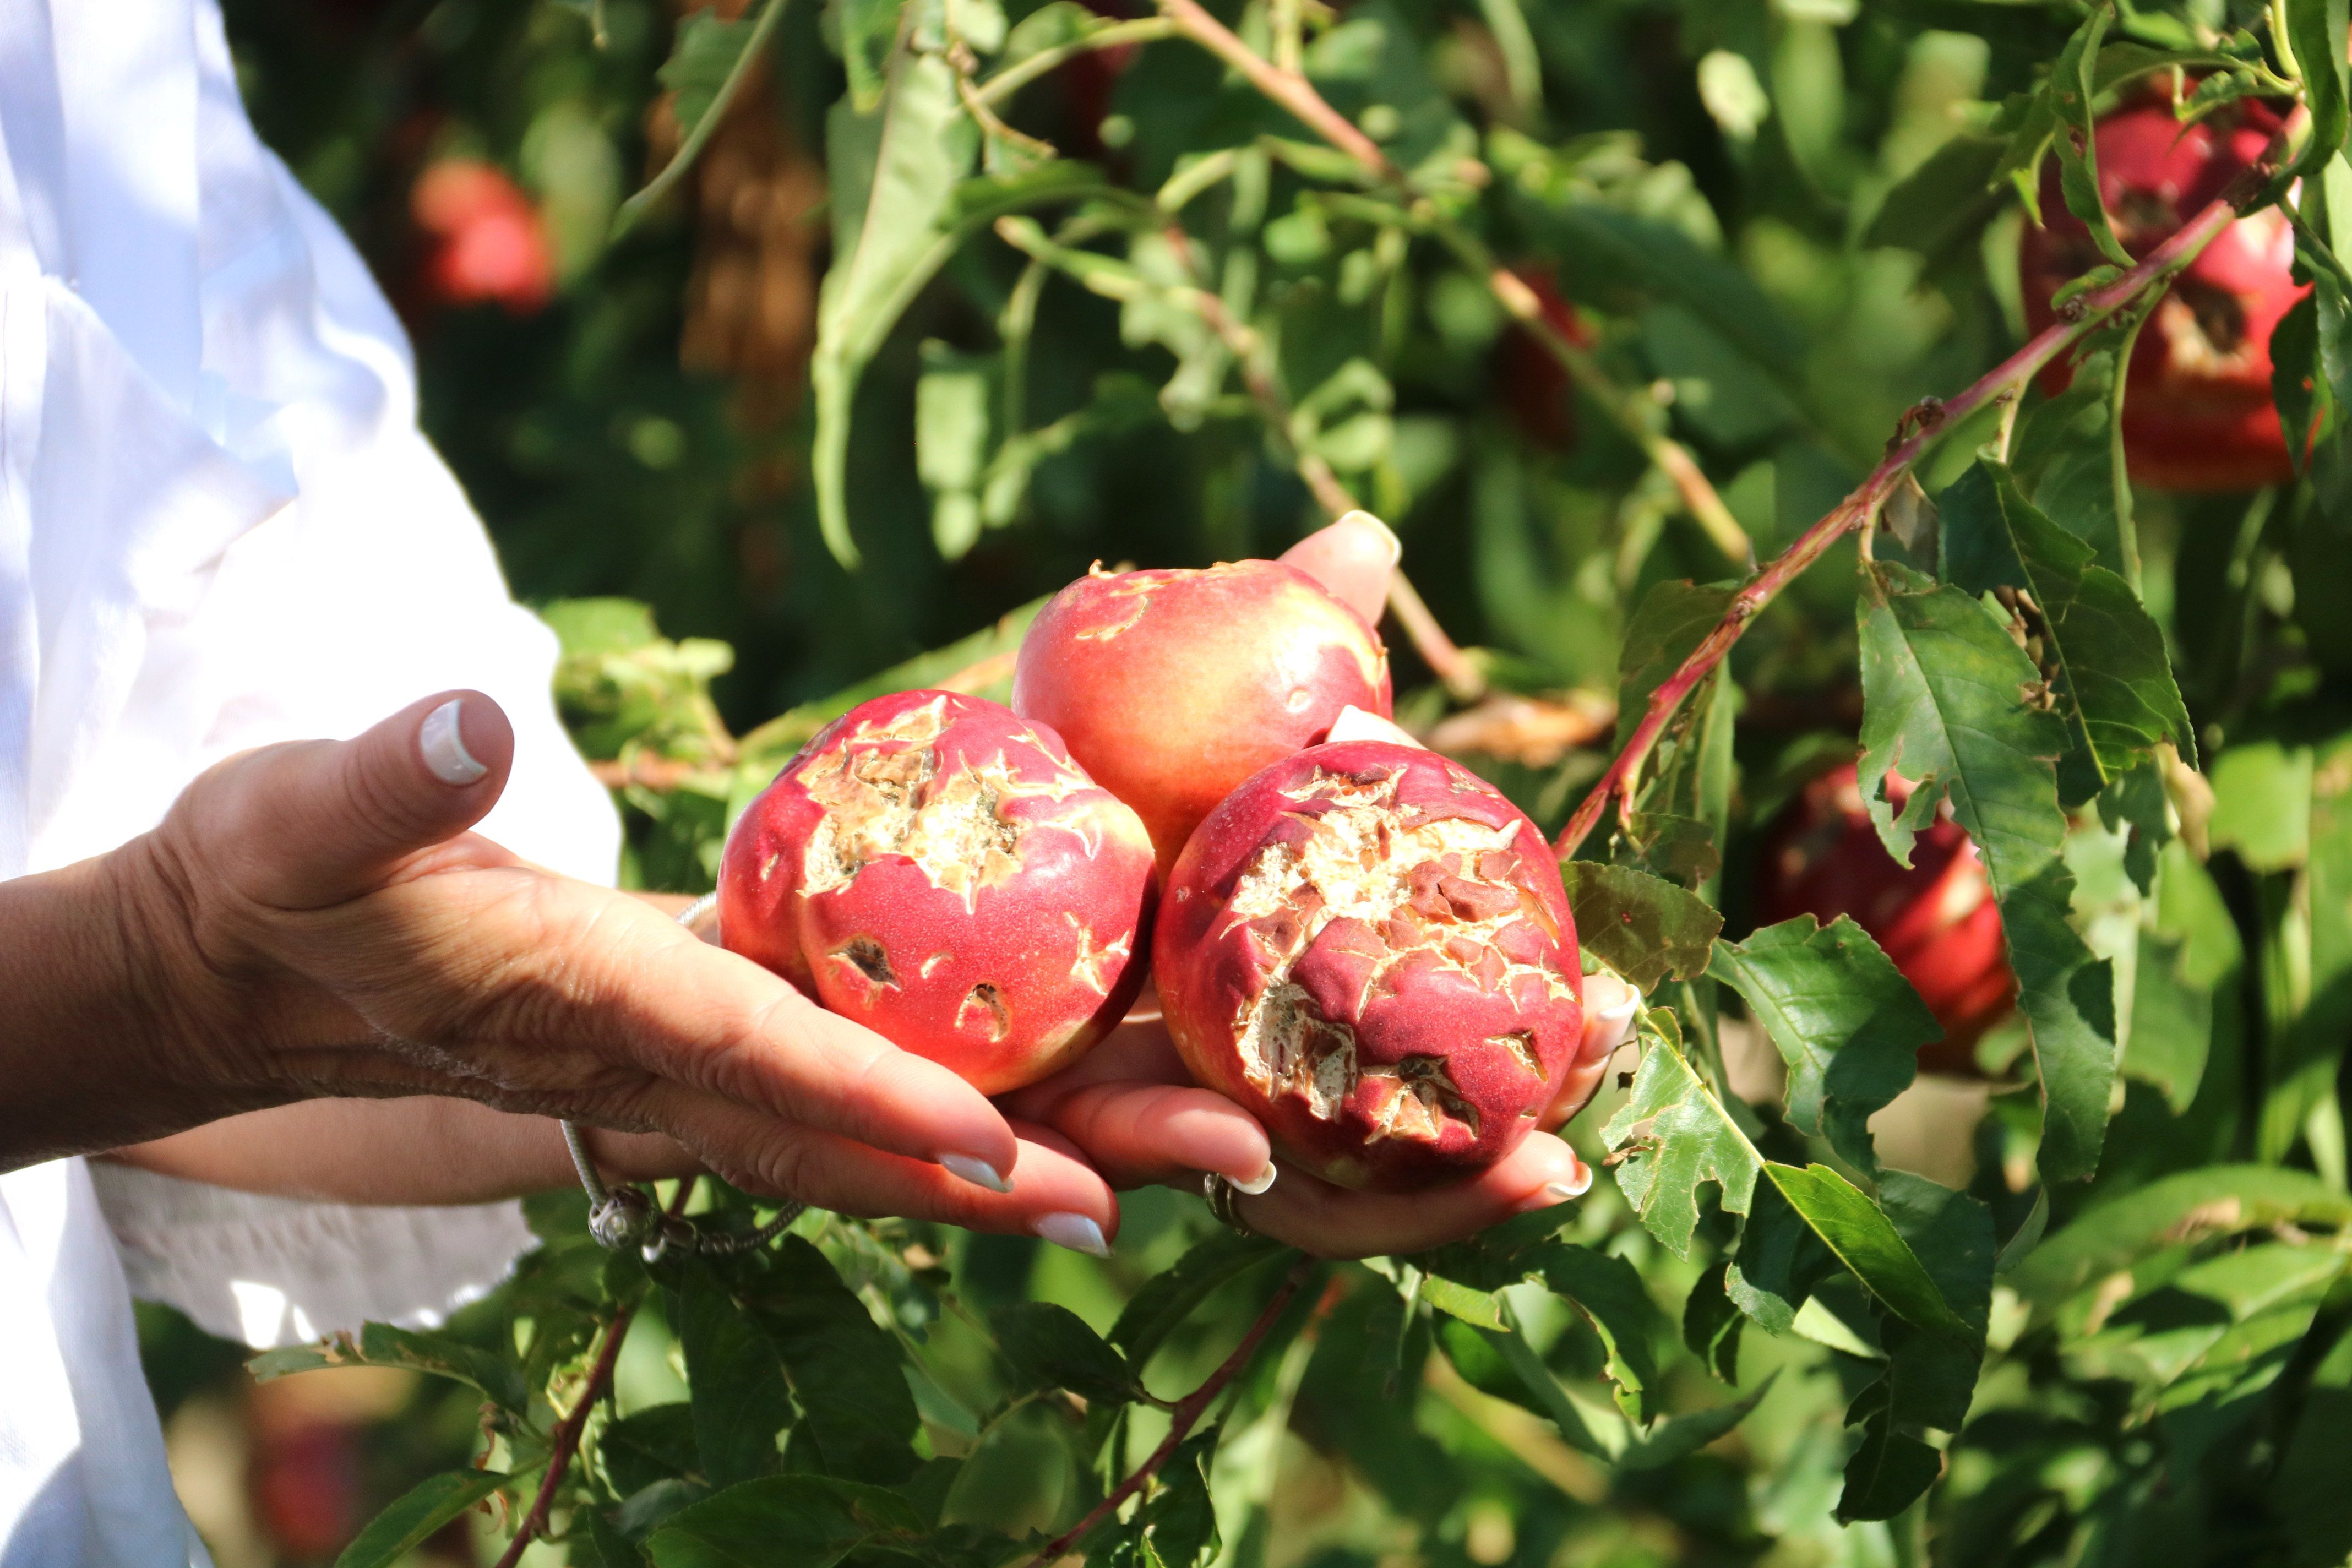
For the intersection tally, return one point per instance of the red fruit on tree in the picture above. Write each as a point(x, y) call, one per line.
point(489, 245)
point(1173, 686)
point(944, 873)
point(1535, 390)
point(1936, 920)
point(2198, 411)
point(1368, 948)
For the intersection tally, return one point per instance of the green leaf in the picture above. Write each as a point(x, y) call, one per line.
point(869, 30)
point(418, 1512)
point(649, 1446)
point(1610, 1293)
point(1948, 701)
point(1886, 1474)
point(2261, 804)
point(1644, 928)
point(1479, 1307)
point(1163, 1301)
point(1679, 1437)
point(1779, 1261)
point(845, 1369)
point(1577, 1425)
point(702, 57)
point(1053, 1347)
point(782, 1522)
point(1673, 1134)
point(1712, 1325)
point(2103, 652)
point(1674, 618)
point(739, 1403)
point(2068, 456)
point(2317, 28)
point(1867, 1243)
point(1845, 1019)
point(2308, 1491)
point(378, 1344)
point(2218, 1200)
point(2074, 95)
point(1940, 207)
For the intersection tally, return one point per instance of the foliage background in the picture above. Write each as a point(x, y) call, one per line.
point(1719, 187)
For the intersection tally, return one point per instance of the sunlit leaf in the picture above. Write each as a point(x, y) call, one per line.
point(420, 1512)
point(1673, 1135)
point(1644, 928)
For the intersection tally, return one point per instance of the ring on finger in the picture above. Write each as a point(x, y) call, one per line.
point(1224, 1202)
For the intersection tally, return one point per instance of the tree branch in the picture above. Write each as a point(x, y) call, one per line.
point(1182, 1420)
point(1287, 88)
point(1859, 509)
point(564, 1443)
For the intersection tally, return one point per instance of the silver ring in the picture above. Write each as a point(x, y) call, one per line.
point(1224, 1202)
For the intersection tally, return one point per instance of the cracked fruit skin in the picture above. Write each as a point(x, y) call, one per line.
point(1368, 948)
point(1173, 686)
point(1936, 921)
point(2198, 411)
point(941, 871)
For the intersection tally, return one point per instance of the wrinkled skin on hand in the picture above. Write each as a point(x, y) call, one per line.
point(1173, 686)
point(1369, 948)
point(944, 874)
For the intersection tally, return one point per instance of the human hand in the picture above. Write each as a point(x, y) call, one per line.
point(316, 921)
point(1131, 1106)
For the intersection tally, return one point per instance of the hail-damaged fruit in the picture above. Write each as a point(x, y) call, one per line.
point(1936, 920)
point(2198, 414)
point(1369, 949)
point(942, 872)
point(1173, 686)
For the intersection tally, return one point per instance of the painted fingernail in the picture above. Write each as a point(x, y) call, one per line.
point(1576, 1186)
point(1255, 1184)
point(1075, 1231)
point(1395, 545)
point(978, 1172)
point(443, 746)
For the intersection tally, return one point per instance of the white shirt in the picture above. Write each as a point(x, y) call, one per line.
point(219, 527)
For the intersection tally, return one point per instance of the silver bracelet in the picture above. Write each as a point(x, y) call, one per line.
point(628, 1215)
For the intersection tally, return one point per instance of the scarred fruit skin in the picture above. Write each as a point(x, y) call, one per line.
point(1173, 686)
point(2198, 411)
point(1368, 948)
point(1936, 921)
point(944, 873)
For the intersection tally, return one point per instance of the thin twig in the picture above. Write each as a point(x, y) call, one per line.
point(1014, 77)
point(1287, 88)
point(754, 47)
point(564, 1443)
point(1182, 1420)
point(1861, 507)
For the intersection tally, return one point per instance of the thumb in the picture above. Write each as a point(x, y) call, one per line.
point(314, 823)
point(1352, 558)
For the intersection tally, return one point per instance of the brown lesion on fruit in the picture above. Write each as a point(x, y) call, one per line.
point(1521, 1044)
point(983, 1007)
point(870, 959)
point(883, 793)
point(1097, 967)
point(1416, 1099)
point(1287, 1047)
point(1136, 589)
point(1422, 886)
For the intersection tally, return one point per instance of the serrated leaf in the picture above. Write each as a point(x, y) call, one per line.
point(2068, 456)
point(1778, 1262)
point(1673, 1134)
point(1053, 1347)
point(782, 1522)
point(1946, 699)
point(1163, 1301)
point(846, 1370)
point(379, 1344)
point(417, 1514)
point(739, 1403)
point(1643, 927)
point(2074, 95)
point(1845, 1019)
point(1870, 1246)
point(2106, 654)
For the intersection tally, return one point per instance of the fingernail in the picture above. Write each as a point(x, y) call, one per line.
point(444, 747)
point(978, 1172)
point(1576, 1186)
point(1395, 545)
point(1075, 1231)
point(1255, 1184)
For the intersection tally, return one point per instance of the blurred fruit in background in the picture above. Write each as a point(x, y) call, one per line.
point(2198, 414)
point(1936, 920)
point(1534, 387)
point(485, 243)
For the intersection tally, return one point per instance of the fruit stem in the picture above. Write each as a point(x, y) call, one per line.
point(1931, 419)
point(1182, 1419)
point(1632, 411)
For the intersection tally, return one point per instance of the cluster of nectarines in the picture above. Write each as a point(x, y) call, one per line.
point(1361, 943)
